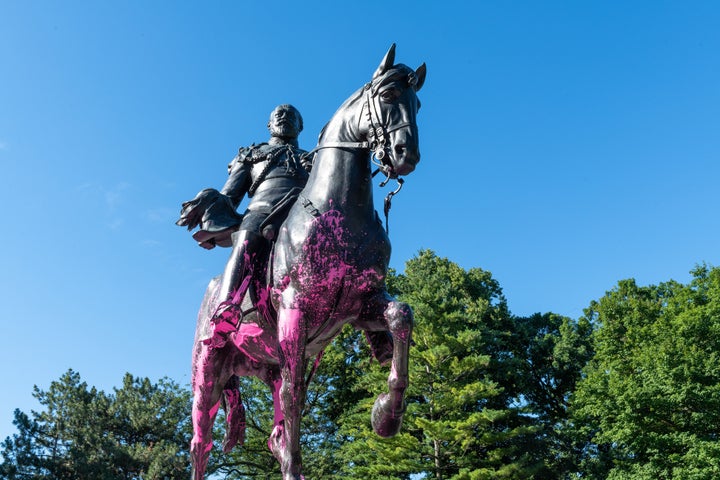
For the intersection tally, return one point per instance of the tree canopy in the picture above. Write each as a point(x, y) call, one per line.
point(140, 431)
point(650, 402)
point(630, 390)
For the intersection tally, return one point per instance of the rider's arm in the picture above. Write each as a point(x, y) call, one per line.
point(238, 182)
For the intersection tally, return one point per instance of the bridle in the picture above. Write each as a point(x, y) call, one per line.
point(377, 143)
point(378, 131)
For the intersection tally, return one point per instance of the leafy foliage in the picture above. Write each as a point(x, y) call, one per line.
point(464, 419)
point(650, 404)
point(552, 351)
point(631, 390)
point(139, 431)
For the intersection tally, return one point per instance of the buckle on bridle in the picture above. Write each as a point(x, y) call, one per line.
point(379, 153)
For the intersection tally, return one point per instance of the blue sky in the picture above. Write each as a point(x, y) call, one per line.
point(565, 146)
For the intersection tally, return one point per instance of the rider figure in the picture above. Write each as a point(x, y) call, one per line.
point(271, 175)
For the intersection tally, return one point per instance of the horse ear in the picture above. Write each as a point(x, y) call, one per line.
point(387, 62)
point(420, 72)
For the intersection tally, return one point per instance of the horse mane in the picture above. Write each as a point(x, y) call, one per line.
point(349, 101)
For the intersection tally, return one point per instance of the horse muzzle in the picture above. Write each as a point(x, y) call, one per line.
point(403, 159)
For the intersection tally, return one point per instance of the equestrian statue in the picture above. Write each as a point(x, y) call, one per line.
point(309, 256)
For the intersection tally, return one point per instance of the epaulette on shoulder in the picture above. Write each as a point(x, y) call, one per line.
point(243, 151)
point(243, 156)
point(250, 154)
point(261, 152)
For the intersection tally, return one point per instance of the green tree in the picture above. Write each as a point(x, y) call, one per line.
point(553, 351)
point(149, 429)
point(649, 407)
point(461, 423)
point(139, 431)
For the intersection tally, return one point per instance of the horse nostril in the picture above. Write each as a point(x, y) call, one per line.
point(400, 149)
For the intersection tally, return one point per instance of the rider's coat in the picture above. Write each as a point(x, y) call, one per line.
point(269, 175)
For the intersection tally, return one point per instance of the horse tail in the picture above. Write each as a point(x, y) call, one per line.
point(234, 414)
point(315, 366)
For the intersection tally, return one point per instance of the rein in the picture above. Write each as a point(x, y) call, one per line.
point(387, 203)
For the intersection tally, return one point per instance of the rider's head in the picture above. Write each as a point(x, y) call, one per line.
point(285, 122)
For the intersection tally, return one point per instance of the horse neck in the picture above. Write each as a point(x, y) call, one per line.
point(340, 177)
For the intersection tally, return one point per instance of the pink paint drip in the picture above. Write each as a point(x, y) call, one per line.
point(323, 268)
point(289, 326)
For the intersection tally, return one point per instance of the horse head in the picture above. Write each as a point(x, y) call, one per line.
point(390, 114)
point(381, 117)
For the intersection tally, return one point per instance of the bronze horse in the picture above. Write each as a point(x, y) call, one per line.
point(327, 269)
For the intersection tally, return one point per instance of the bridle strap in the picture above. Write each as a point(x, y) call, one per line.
point(398, 127)
point(378, 133)
point(361, 145)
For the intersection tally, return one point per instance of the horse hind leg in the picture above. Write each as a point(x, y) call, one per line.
point(388, 410)
point(381, 345)
point(211, 372)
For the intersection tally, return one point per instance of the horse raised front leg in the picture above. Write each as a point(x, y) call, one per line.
point(386, 313)
point(285, 439)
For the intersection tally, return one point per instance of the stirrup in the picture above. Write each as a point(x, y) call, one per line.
point(225, 321)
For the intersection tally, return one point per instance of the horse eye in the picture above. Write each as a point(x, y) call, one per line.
point(388, 95)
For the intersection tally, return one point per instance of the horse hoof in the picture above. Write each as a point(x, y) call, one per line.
point(385, 422)
point(276, 442)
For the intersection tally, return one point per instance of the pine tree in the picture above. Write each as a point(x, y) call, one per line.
point(553, 351)
point(460, 422)
point(139, 431)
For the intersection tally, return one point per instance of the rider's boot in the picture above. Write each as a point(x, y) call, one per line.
point(247, 245)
